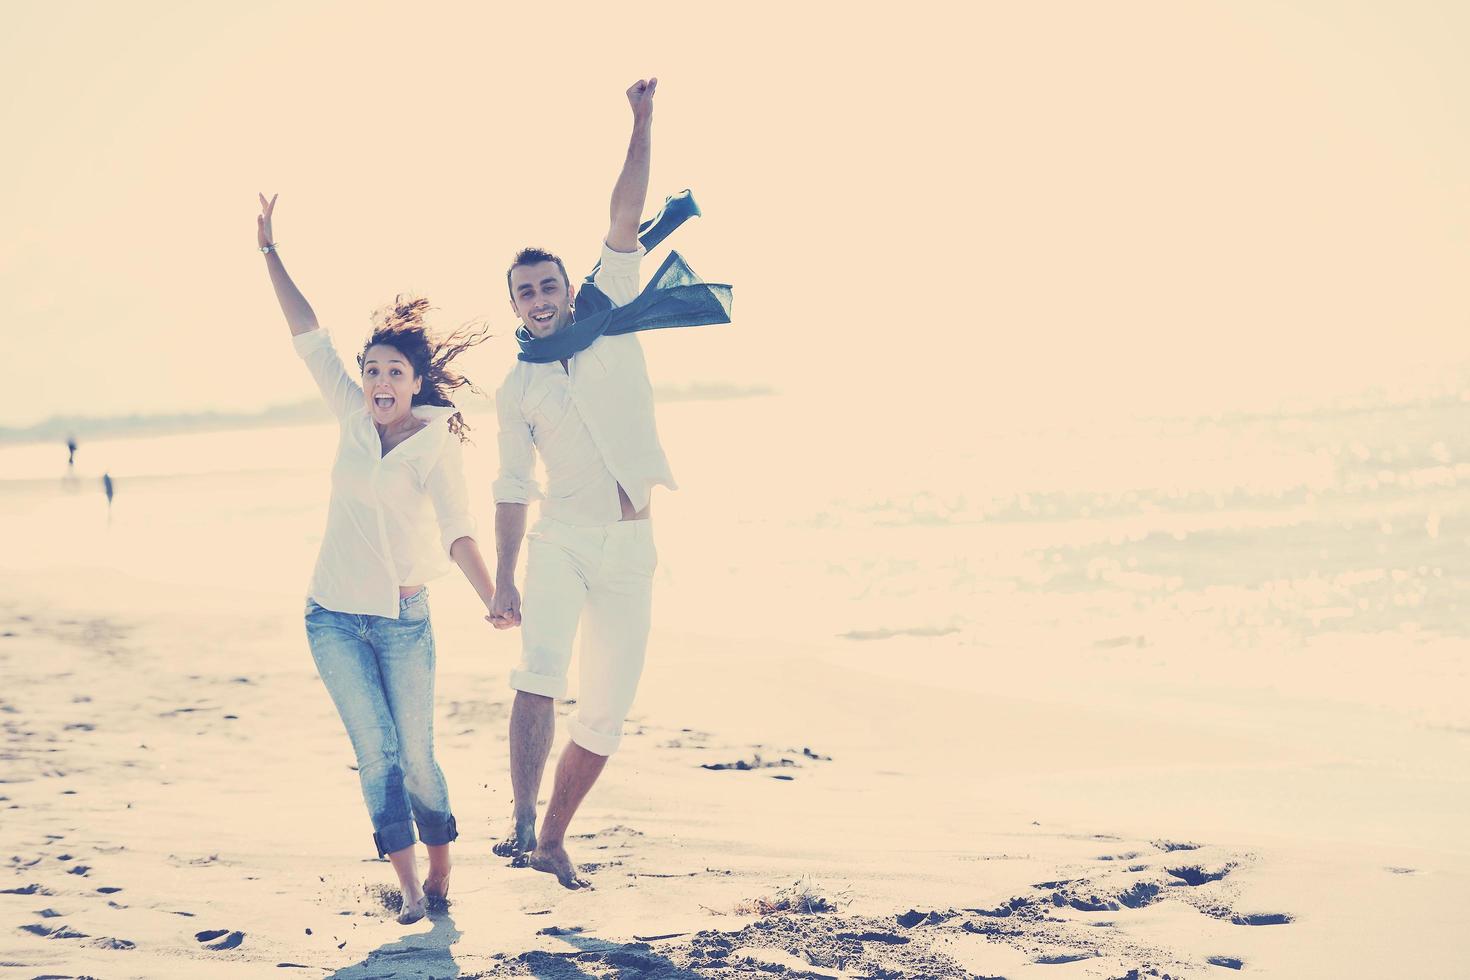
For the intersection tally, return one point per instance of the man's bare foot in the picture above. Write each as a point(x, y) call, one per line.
point(517, 843)
point(554, 860)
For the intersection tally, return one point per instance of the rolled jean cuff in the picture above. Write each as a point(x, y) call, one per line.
point(595, 742)
point(394, 837)
point(543, 684)
point(435, 834)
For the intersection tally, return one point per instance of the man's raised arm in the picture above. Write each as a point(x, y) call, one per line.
point(631, 190)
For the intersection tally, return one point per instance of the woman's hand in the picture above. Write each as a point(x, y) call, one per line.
point(263, 234)
point(506, 612)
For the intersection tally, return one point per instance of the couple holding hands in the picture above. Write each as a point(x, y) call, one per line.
point(578, 393)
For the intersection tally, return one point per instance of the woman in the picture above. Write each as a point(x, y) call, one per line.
point(367, 616)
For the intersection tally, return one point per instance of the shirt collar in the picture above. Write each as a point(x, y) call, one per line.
point(433, 413)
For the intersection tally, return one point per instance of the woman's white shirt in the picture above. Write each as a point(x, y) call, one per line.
point(380, 532)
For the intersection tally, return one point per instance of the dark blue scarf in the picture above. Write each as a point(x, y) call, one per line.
point(674, 297)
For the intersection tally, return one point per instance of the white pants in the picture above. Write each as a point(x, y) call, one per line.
point(602, 576)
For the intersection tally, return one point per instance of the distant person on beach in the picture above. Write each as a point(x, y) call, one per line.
point(579, 394)
point(107, 489)
point(367, 611)
point(69, 478)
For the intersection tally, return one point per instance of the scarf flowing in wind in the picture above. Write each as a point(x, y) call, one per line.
point(674, 297)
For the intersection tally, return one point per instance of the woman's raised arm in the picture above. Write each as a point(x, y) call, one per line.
point(299, 315)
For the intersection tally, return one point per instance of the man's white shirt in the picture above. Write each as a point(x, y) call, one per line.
point(592, 423)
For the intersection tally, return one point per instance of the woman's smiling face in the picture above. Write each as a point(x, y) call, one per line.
point(388, 384)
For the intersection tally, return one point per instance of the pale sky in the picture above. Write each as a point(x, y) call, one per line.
point(1038, 210)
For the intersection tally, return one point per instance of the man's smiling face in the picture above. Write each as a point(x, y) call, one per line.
point(541, 298)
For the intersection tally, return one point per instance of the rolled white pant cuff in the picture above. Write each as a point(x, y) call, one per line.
point(595, 742)
point(544, 684)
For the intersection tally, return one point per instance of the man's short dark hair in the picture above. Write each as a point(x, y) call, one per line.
point(531, 256)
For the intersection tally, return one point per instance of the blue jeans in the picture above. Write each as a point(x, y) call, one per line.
point(380, 673)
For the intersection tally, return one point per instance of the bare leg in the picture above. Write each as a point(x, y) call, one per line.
point(532, 725)
point(576, 771)
point(405, 864)
point(436, 882)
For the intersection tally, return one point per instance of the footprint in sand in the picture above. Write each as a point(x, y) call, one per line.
point(65, 932)
point(31, 889)
point(1229, 962)
point(108, 942)
point(1171, 846)
point(1140, 895)
point(1005, 910)
point(60, 932)
point(913, 918)
point(229, 942)
point(559, 931)
point(1195, 875)
point(1261, 919)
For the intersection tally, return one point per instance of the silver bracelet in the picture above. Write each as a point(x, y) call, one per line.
point(268, 248)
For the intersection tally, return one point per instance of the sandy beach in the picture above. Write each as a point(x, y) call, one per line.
point(1069, 576)
point(999, 775)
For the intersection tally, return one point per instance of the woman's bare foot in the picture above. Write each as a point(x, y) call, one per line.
point(406, 866)
point(411, 912)
point(436, 894)
point(554, 860)
point(518, 842)
point(436, 882)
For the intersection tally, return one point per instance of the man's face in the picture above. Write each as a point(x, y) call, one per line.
point(540, 298)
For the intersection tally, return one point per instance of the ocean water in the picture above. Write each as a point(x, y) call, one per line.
point(848, 532)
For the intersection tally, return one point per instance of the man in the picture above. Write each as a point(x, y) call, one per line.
point(591, 555)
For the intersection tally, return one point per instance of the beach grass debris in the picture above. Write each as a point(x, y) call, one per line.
point(755, 762)
point(804, 896)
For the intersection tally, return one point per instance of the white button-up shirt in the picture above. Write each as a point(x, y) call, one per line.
point(380, 533)
point(592, 422)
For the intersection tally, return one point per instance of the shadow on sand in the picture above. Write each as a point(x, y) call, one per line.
point(631, 959)
point(422, 956)
point(427, 956)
